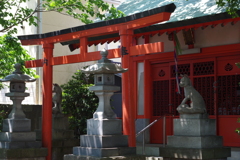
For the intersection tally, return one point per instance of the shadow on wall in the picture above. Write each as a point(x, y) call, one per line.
point(116, 99)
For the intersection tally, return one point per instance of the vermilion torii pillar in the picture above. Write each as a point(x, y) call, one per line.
point(125, 27)
point(47, 97)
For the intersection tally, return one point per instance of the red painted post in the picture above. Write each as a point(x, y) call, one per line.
point(47, 99)
point(83, 47)
point(127, 98)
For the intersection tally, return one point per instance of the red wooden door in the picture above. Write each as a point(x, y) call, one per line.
point(160, 75)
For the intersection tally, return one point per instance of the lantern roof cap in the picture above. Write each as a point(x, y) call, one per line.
point(17, 76)
point(104, 66)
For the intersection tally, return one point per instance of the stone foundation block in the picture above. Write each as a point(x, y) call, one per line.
point(57, 134)
point(103, 152)
point(195, 153)
point(22, 153)
point(17, 136)
point(194, 127)
point(16, 125)
point(105, 141)
point(59, 123)
point(104, 126)
point(65, 143)
point(195, 142)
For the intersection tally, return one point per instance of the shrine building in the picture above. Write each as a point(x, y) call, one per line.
point(210, 42)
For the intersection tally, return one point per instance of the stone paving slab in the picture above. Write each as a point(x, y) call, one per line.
point(195, 153)
point(130, 157)
point(104, 152)
point(39, 158)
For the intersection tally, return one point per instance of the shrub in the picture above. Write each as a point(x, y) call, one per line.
point(79, 102)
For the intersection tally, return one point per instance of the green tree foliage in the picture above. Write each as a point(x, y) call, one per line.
point(237, 130)
point(4, 111)
point(11, 52)
point(232, 6)
point(13, 13)
point(78, 102)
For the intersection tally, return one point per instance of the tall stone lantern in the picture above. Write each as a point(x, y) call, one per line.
point(16, 139)
point(17, 94)
point(104, 131)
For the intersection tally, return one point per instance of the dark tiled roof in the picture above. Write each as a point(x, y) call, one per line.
point(167, 8)
point(185, 9)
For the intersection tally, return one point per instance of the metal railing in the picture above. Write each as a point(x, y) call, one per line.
point(148, 126)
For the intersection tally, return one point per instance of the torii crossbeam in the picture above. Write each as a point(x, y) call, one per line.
point(124, 27)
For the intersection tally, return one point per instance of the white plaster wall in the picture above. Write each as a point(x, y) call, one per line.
point(32, 50)
point(229, 34)
point(52, 22)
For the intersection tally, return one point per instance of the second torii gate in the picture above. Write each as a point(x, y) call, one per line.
point(124, 27)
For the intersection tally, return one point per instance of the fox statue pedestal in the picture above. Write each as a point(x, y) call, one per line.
point(194, 138)
point(194, 133)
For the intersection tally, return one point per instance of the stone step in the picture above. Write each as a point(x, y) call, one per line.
point(128, 157)
point(29, 144)
point(104, 152)
point(148, 150)
point(105, 141)
point(17, 136)
point(217, 153)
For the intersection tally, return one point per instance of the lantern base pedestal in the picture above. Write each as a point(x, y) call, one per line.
point(18, 142)
point(104, 126)
point(16, 125)
point(194, 138)
point(104, 139)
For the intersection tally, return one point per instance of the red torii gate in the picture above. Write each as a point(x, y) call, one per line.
point(123, 26)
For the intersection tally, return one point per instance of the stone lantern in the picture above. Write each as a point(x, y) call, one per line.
point(104, 87)
point(104, 131)
point(17, 141)
point(17, 94)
